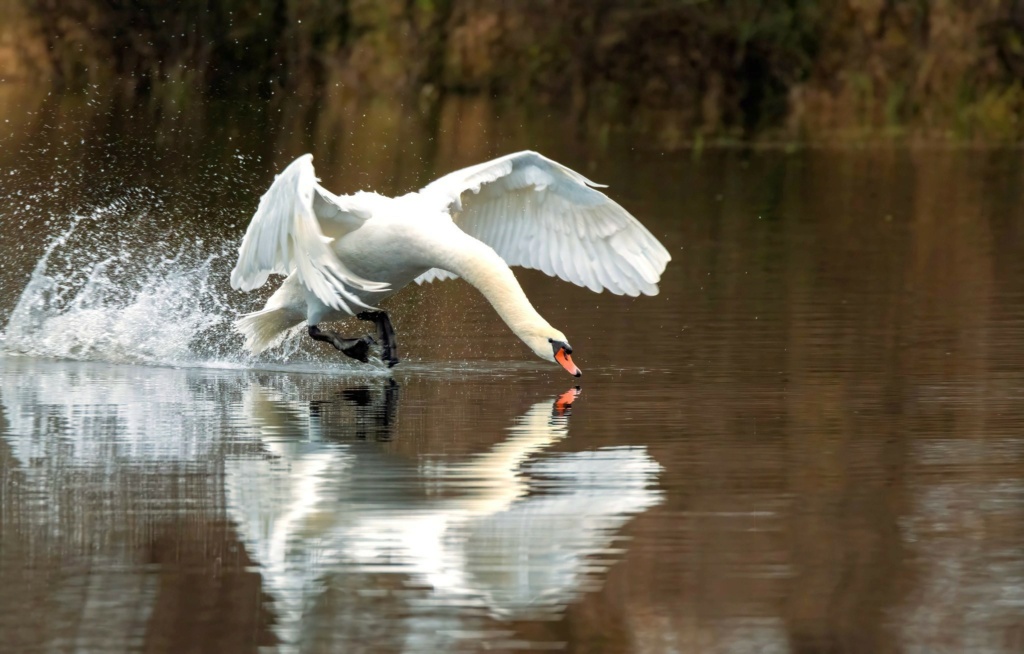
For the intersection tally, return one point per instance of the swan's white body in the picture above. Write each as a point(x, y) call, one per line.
point(344, 254)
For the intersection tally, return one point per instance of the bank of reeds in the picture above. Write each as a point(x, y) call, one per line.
point(680, 71)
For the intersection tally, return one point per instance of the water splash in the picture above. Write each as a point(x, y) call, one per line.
point(92, 296)
point(105, 290)
point(93, 311)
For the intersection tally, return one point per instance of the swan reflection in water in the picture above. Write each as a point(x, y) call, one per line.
point(507, 532)
point(344, 532)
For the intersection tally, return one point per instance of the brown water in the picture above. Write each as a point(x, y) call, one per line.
point(810, 441)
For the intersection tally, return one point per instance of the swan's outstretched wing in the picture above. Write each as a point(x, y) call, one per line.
point(287, 234)
point(537, 213)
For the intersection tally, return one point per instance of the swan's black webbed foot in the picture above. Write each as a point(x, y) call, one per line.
point(357, 348)
point(386, 335)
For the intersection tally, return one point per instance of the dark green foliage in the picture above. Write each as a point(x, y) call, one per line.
point(684, 69)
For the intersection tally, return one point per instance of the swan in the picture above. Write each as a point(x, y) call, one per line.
point(343, 254)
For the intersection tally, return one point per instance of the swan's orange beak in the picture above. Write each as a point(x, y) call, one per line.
point(566, 361)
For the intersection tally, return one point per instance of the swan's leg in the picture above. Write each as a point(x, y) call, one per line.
point(386, 334)
point(357, 348)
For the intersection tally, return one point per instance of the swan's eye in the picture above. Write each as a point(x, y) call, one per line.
point(559, 345)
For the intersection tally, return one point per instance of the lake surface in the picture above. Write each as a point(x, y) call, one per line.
point(810, 441)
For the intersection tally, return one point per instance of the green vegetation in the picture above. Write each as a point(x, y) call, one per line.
point(681, 71)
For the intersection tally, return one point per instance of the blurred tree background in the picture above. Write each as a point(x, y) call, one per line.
point(677, 71)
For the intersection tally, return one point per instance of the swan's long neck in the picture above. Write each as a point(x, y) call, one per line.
point(481, 266)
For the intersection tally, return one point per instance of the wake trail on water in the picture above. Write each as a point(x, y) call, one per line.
point(99, 294)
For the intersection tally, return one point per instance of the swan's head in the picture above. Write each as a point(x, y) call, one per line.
point(551, 345)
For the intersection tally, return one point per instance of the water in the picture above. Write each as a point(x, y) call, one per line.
point(809, 441)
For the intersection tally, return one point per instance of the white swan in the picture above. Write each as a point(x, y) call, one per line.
point(343, 254)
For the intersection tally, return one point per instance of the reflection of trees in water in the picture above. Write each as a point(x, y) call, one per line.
point(902, 364)
point(965, 499)
point(886, 298)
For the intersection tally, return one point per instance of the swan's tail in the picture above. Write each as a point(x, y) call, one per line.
point(266, 328)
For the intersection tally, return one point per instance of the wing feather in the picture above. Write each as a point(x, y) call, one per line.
point(286, 235)
point(537, 213)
